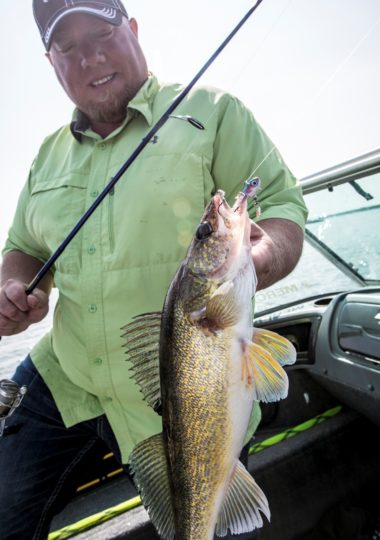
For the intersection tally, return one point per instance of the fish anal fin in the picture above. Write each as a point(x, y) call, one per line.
point(243, 504)
point(222, 309)
point(150, 474)
point(142, 338)
point(263, 374)
point(280, 348)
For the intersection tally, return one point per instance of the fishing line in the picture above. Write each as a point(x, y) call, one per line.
point(325, 84)
point(262, 42)
point(343, 63)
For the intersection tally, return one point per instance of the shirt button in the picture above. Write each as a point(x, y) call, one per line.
point(98, 361)
point(93, 308)
point(102, 146)
point(91, 250)
point(94, 193)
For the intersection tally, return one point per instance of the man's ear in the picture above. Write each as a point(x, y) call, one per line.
point(134, 26)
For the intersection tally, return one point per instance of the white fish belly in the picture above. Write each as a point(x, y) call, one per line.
point(240, 400)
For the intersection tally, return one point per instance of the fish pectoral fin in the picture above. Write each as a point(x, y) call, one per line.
point(242, 505)
point(279, 347)
point(263, 374)
point(142, 339)
point(150, 474)
point(222, 310)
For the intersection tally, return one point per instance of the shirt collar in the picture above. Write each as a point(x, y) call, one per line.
point(142, 104)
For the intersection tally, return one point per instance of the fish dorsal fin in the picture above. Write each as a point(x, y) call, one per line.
point(280, 348)
point(142, 339)
point(263, 374)
point(242, 505)
point(222, 310)
point(150, 473)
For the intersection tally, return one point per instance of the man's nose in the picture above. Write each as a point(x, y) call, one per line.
point(91, 57)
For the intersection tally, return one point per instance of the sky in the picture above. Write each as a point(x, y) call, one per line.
point(308, 69)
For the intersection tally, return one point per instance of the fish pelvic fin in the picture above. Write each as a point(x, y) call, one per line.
point(263, 374)
point(142, 339)
point(280, 348)
point(222, 310)
point(150, 473)
point(242, 505)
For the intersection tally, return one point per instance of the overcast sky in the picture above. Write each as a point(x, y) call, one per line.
point(308, 69)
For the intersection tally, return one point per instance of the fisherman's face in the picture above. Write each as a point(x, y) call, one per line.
point(100, 66)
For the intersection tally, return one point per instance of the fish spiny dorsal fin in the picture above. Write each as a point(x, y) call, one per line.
point(222, 310)
point(150, 473)
point(280, 348)
point(263, 374)
point(242, 505)
point(142, 338)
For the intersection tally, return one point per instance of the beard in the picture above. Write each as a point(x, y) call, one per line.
point(109, 107)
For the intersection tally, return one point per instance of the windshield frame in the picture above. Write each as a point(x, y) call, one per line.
point(350, 171)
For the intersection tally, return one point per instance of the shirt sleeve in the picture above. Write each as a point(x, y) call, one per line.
point(243, 150)
point(19, 234)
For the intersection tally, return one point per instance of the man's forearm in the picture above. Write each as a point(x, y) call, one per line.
point(23, 267)
point(276, 249)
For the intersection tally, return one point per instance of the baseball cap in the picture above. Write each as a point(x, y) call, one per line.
point(48, 13)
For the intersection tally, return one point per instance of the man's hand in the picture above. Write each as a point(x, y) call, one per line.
point(18, 310)
point(276, 249)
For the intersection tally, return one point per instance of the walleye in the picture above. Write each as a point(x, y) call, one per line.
point(202, 365)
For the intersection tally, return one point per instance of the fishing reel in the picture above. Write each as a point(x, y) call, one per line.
point(11, 395)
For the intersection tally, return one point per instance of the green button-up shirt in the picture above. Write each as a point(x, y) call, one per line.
point(122, 261)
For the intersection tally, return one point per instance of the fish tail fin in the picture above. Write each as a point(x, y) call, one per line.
point(150, 473)
point(242, 505)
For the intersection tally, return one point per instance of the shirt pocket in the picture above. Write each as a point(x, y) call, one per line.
point(56, 205)
point(155, 210)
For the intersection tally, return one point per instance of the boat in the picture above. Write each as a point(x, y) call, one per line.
point(316, 453)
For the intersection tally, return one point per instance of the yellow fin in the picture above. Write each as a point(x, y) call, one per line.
point(277, 346)
point(263, 374)
point(222, 310)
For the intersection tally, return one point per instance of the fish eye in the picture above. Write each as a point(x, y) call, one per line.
point(204, 230)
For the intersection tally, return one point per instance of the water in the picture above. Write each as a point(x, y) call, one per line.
point(13, 349)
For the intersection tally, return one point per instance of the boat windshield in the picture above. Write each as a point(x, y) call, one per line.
point(342, 248)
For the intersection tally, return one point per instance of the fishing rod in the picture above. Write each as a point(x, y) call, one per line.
point(10, 394)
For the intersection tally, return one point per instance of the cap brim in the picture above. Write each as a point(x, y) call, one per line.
point(109, 14)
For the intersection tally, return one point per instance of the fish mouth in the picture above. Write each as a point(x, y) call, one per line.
point(230, 216)
point(219, 217)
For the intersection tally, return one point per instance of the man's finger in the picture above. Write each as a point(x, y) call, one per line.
point(10, 311)
point(38, 299)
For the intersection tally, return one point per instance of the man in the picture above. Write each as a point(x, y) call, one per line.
point(120, 264)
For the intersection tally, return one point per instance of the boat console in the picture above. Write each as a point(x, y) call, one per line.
point(337, 338)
